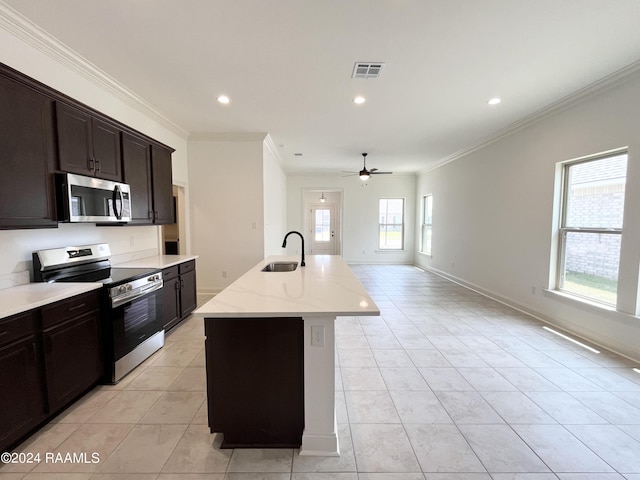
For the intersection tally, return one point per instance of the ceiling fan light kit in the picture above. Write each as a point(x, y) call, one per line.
point(364, 174)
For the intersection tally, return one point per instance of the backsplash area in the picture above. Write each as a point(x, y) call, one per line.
point(16, 246)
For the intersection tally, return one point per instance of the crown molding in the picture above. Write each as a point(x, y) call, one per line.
point(228, 136)
point(30, 33)
point(269, 145)
point(610, 81)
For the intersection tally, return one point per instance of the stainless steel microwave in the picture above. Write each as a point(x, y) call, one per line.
point(87, 199)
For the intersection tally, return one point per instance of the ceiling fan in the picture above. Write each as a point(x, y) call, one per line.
point(364, 174)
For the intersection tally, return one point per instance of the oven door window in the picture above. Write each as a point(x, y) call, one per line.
point(136, 321)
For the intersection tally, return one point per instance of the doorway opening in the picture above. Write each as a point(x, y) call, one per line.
point(173, 234)
point(323, 221)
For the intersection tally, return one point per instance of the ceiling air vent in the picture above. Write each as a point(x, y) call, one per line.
point(367, 69)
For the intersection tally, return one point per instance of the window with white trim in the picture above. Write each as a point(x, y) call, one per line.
point(391, 226)
point(427, 224)
point(591, 227)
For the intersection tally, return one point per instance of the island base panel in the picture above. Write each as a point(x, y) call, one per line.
point(255, 381)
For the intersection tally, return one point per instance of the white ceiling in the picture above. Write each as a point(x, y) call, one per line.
point(287, 64)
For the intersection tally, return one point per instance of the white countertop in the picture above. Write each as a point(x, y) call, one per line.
point(326, 286)
point(33, 295)
point(157, 261)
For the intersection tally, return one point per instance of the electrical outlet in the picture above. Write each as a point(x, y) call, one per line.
point(317, 336)
point(224, 274)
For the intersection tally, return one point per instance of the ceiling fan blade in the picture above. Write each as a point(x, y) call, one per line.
point(381, 173)
point(373, 170)
point(350, 174)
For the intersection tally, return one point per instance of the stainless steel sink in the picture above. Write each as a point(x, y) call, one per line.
point(280, 267)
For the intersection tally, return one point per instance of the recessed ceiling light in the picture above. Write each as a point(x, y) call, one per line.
point(297, 154)
point(359, 100)
point(494, 101)
point(224, 99)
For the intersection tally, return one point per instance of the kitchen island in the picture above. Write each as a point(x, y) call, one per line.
point(288, 318)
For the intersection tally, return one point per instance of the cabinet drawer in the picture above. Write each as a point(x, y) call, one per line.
point(187, 266)
point(169, 273)
point(17, 326)
point(66, 309)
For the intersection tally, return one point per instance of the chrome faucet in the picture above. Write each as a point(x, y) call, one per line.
point(284, 244)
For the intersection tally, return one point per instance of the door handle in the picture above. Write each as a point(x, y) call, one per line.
point(117, 195)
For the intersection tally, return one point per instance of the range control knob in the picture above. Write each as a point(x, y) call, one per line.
point(122, 289)
point(129, 287)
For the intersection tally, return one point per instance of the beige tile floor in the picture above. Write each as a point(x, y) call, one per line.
point(445, 385)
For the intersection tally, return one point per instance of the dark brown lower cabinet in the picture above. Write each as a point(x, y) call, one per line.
point(188, 298)
point(48, 358)
point(72, 350)
point(170, 298)
point(22, 405)
point(179, 293)
point(255, 381)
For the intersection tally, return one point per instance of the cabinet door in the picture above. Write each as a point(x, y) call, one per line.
point(162, 185)
point(188, 298)
point(255, 381)
point(75, 150)
point(27, 197)
point(136, 162)
point(72, 358)
point(21, 395)
point(171, 302)
point(106, 150)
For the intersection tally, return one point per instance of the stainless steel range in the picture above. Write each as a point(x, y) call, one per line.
point(131, 302)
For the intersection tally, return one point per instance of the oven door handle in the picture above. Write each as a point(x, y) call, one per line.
point(120, 300)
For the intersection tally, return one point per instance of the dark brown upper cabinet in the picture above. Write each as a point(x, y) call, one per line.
point(43, 131)
point(147, 169)
point(136, 165)
point(87, 145)
point(162, 185)
point(27, 146)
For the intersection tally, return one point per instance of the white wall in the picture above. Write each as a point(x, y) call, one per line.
point(227, 208)
point(41, 57)
point(360, 212)
point(275, 200)
point(493, 213)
